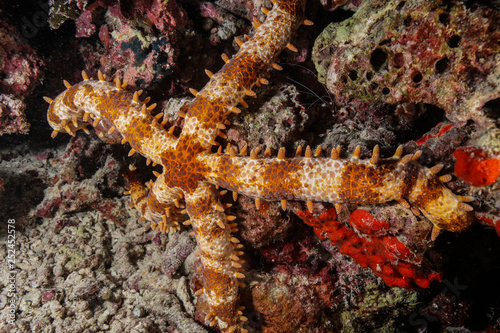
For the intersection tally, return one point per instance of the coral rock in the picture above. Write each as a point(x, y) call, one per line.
point(19, 64)
point(12, 117)
point(414, 52)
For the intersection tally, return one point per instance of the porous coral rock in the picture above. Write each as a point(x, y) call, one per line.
point(139, 37)
point(222, 24)
point(414, 51)
point(280, 121)
point(84, 25)
point(62, 10)
point(290, 302)
point(137, 57)
point(260, 226)
point(19, 75)
point(378, 308)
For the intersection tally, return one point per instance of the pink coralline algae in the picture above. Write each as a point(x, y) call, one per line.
point(369, 244)
point(259, 227)
point(139, 38)
point(292, 302)
point(19, 73)
point(414, 52)
point(179, 247)
point(167, 16)
point(84, 25)
point(12, 117)
point(19, 64)
point(137, 57)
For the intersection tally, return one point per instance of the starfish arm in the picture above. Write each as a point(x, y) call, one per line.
point(341, 181)
point(299, 178)
point(226, 89)
point(216, 250)
point(116, 114)
point(163, 206)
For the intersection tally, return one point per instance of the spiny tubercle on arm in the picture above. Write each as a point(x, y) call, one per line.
point(116, 113)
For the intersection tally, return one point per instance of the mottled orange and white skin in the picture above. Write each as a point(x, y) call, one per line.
point(118, 111)
point(121, 115)
point(191, 171)
point(351, 180)
point(219, 253)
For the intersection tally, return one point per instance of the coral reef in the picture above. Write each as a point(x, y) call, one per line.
point(85, 261)
point(192, 173)
point(414, 52)
point(12, 117)
point(139, 40)
point(19, 64)
point(141, 58)
point(19, 73)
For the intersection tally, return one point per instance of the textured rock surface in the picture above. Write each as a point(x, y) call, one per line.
point(84, 261)
point(19, 75)
point(12, 117)
point(415, 51)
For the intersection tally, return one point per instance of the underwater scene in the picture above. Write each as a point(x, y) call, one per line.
point(249, 166)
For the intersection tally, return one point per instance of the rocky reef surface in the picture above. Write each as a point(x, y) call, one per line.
point(417, 73)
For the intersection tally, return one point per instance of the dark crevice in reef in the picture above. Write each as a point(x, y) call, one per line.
point(420, 118)
point(492, 109)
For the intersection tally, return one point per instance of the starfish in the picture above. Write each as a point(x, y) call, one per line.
point(192, 173)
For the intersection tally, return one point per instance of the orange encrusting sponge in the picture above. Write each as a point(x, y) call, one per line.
point(475, 166)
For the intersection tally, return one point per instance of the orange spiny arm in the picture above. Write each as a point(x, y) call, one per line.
point(306, 179)
point(227, 88)
point(218, 255)
point(118, 114)
point(343, 181)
